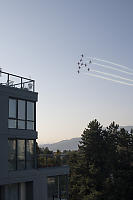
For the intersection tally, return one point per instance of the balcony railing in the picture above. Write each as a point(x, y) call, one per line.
point(16, 81)
point(51, 160)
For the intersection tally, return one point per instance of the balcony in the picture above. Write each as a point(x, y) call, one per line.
point(51, 160)
point(12, 80)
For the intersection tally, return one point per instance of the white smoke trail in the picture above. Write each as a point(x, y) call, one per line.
point(106, 61)
point(113, 75)
point(110, 67)
point(109, 79)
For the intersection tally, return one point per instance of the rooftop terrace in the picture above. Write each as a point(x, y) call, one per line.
point(12, 80)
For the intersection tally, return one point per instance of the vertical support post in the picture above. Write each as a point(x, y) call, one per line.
point(35, 155)
point(0, 71)
point(8, 79)
point(67, 190)
point(33, 86)
point(16, 154)
point(46, 161)
point(58, 180)
point(25, 154)
point(21, 82)
point(35, 116)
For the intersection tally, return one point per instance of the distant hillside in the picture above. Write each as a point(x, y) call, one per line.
point(128, 128)
point(71, 144)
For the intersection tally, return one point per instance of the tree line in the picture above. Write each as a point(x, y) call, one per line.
point(102, 168)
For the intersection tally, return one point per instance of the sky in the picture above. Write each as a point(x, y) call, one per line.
point(44, 39)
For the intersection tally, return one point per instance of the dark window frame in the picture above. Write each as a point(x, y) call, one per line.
point(17, 120)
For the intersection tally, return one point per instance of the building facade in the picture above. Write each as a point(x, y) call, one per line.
point(20, 177)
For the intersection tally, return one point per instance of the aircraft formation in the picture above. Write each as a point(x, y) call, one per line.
point(112, 71)
point(82, 64)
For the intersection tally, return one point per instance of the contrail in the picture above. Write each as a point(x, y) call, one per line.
point(109, 79)
point(106, 61)
point(113, 75)
point(110, 67)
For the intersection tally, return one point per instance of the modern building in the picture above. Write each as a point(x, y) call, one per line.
point(20, 177)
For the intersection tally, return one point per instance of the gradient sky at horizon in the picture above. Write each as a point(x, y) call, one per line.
point(43, 40)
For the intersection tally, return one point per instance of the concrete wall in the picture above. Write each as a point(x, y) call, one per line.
point(38, 177)
point(3, 134)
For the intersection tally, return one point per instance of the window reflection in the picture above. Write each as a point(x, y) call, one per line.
point(30, 154)
point(17, 191)
point(30, 111)
point(21, 154)
point(11, 123)
point(13, 191)
point(21, 124)
point(21, 109)
point(12, 108)
point(30, 125)
point(57, 187)
point(11, 154)
point(21, 114)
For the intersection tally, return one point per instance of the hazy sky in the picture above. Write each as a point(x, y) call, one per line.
point(44, 39)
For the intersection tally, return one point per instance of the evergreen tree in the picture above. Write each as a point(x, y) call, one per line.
point(102, 169)
point(93, 149)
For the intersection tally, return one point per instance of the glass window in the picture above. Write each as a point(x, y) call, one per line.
point(17, 191)
point(21, 154)
point(21, 124)
point(2, 192)
point(12, 154)
point(12, 108)
point(57, 187)
point(30, 154)
point(30, 125)
point(13, 191)
point(52, 187)
point(21, 114)
point(21, 109)
point(11, 123)
point(30, 111)
point(63, 186)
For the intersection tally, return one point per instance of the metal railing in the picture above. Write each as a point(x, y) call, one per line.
point(51, 160)
point(16, 81)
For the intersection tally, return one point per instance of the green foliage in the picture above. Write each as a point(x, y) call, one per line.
point(102, 168)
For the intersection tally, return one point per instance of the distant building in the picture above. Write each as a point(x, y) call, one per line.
point(20, 175)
